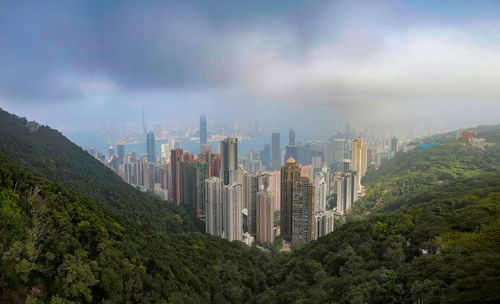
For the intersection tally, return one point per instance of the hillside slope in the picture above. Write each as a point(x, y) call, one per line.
point(49, 155)
point(58, 247)
point(434, 237)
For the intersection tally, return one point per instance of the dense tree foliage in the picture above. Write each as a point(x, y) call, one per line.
point(49, 155)
point(427, 231)
point(58, 247)
point(433, 236)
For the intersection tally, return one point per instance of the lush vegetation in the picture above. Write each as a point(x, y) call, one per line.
point(49, 155)
point(58, 247)
point(427, 231)
point(415, 171)
point(435, 238)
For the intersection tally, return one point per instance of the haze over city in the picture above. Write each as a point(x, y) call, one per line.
point(85, 67)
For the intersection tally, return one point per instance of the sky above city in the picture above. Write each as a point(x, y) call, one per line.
point(85, 65)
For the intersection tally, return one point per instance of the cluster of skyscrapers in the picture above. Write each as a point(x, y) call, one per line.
point(240, 198)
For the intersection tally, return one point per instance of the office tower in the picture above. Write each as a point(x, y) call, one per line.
point(175, 155)
point(229, 158)
point(111, 152)
point(151, 147)
point(265, 156)
point(347, 191)
point(121, 152)
point(256, 129)
point(290, 151)
point(275, 152)
point(232, 212)
point(213, 201)
point(265, 216)
point(251, 189)
point(359, 155)
point(290, 173)
point(302, 212)
point(291, 137)
point(203, 130)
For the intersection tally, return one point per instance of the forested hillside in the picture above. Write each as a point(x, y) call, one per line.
point(59, 247)
point(49, 155)
point(428, 232)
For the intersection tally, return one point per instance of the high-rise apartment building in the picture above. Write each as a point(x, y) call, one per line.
point(359, 156)
point(290, 173)
point(265, 216)
point(251, 189)
point(347, 190)
point(275, 185)
point(151, 147)
point(302, 212)
point(232, 212)
point(214, 206)
point(229, 158)
point(275, 152)
point(175, 155)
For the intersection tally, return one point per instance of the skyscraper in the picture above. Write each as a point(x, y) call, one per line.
point(275, 152)
point(232, 212)
point(251, 189)
point(290, 173)
point(359, 156)
point(213, 200)
point(203, 133)
point(302, 212)
point(151, 147)
point(175, 156)
point(229, 158)
point(121, 152)
point(265, 216)
point(291, 137)
point(347, 190)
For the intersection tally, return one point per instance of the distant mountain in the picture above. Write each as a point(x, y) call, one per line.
point(58, 247)
point(48, 154)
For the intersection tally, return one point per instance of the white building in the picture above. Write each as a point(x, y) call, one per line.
point(232, 198)
point(213, 200)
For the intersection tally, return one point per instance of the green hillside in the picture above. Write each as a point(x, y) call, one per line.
point(49, 155)
point(427, 232)
point(59, 247)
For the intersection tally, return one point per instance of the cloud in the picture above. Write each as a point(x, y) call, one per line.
point(351, 58)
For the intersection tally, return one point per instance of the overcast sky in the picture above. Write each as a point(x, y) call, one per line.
point(82, 64)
